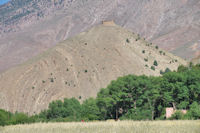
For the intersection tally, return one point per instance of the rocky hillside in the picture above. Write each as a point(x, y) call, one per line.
point(28, 27)
point(80, 66)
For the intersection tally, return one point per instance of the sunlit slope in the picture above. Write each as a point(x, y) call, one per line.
point(79, 67)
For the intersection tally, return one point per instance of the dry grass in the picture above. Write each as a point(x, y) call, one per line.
point(108, 127)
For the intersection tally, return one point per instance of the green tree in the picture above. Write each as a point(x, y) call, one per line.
point(55, 110)
point(19, 118)
point(194, 112)
point(176, 93)
point(71, 107)
point(153, 95)
point(58, 109)
point(105, 104)
point(4, 117)
point(182, 68)
point(90, 110)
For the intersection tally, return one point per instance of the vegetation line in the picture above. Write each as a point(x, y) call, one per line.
point(130, 97)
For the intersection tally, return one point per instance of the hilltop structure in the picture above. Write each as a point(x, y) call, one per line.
point(108, 23)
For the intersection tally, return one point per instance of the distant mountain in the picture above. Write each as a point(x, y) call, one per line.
point(28, 27)
point(79, 66)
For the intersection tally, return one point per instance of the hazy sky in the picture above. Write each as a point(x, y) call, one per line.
point(3, 1)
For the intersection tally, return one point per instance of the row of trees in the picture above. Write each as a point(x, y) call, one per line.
point(129, 97)
point(142, 97)
point(8, 118)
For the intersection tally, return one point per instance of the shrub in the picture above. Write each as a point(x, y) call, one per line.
point(143, 51)
point(138, 37)
point(155, 63)
point(86, 71)
point(152, 68)
point(7, 118)
point(182, 68)
point(194, 112)
point(137, 114)
point(156, 47)
point(178, 115)
point(51, 80)
point(4, 117)
point(161, 72)
point(146, 59)
point(190, 64)
point(167, 70)
point(127, 40)
point(19, 118)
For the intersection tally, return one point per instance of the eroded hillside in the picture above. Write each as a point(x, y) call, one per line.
point(79, 67)
point(28, 27)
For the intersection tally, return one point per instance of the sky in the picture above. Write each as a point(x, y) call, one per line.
point(3, 1)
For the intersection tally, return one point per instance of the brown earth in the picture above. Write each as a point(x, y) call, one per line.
point(80, 66)
point(29, 27)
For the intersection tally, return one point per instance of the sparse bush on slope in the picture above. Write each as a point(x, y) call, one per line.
point(155, 63)
point(129, 97)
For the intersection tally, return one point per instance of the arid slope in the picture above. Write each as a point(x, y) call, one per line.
point(29, 27)
point(79, 67)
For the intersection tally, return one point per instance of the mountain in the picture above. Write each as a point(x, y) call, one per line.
point(79, 66)
point(29, 27)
